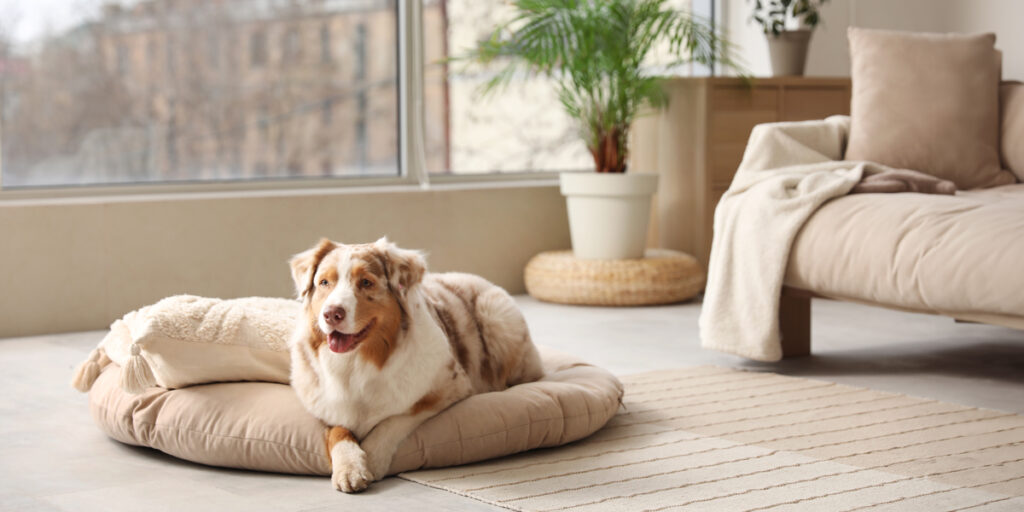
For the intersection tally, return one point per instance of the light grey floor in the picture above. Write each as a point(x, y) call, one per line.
point(54, 458)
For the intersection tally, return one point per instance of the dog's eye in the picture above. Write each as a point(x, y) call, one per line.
point(365, 283)
point(324, 282)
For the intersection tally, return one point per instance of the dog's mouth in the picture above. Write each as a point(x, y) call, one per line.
point(340, 342)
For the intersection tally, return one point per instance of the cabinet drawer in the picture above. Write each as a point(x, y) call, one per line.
point(735, 126)
point(725, 159)
point(803, 103)
point(741, 97)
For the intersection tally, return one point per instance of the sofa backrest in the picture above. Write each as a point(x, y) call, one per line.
point(1011, 118)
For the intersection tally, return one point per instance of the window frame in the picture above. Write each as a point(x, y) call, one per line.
point(412, 171)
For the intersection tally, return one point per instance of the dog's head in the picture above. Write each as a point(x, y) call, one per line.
point(355, 295)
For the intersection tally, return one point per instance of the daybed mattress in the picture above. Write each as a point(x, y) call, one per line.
point(961, 255)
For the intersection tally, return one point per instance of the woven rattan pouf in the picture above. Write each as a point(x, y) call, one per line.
point(661, 277)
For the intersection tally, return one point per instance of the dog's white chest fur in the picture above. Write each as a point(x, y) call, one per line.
point(358, 396)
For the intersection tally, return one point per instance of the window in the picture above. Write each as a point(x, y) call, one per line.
point(520, 129)
point(154, 91)
point(123, 60)
point(152, 58)
point(326, 112)
point(166, 90)
point(213, 50)
point(361, 141)
point(291, 47)
point(360, 52)
point(325, 43)
point(258, 49)
point(170, 56)
point(260, 170)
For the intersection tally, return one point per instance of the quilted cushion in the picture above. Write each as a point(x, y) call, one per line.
point(262, 426)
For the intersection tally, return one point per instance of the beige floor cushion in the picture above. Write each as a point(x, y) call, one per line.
point(955, 255)
point(262, 426)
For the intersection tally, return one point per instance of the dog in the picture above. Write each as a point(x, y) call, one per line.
point(383, 345)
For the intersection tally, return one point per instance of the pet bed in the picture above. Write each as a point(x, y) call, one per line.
point(263, 426)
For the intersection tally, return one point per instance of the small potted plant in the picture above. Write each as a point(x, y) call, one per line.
point(787, 24)
point(595, 51)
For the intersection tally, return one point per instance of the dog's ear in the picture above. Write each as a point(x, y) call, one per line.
point(405, 268)
point(305, 263)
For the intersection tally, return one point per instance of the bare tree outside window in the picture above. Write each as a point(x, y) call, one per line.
point(170, 90)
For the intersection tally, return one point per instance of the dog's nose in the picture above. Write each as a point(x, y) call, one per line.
point(334, 315)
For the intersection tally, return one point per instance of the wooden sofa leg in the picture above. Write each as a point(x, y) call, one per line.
point(795, 325)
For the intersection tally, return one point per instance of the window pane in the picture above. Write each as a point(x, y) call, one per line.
point(170, 90)
point(522, 128)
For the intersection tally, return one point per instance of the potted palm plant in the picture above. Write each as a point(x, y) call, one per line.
point(788, 25)
point(595, 52)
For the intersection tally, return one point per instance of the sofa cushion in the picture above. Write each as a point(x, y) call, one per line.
point(927, 102)
point(1011, 114)
point(954, 255)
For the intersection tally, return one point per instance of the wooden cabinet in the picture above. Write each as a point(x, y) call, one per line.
point(697, 142)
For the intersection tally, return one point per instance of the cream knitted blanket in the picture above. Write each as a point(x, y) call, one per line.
point(186, 340)
point(788, 171)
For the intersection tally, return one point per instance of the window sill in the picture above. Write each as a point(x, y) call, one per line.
point(284, 188)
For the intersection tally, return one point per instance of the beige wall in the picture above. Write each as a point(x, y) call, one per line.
point(79, 264)
point(829, 53)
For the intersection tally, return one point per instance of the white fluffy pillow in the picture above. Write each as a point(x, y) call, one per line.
point(185, 340)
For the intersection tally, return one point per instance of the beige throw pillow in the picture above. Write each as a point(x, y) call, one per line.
point(1011, 114)
point(927, 102)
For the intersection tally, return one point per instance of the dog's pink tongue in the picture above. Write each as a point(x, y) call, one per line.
point(339, 342)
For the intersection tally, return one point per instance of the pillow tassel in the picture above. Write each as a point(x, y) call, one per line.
point(87, 372)
point(136, 375)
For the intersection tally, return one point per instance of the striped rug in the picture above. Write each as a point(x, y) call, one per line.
point(710, 438)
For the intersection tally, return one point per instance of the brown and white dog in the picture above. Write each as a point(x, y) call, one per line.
point(383, 346)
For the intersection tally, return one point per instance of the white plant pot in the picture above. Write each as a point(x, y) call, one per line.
point(788, 52)
point(608, 213)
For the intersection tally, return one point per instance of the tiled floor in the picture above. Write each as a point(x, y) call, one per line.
point(54, 458)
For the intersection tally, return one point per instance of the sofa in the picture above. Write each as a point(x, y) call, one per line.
point(959, 256)
point(793, 226)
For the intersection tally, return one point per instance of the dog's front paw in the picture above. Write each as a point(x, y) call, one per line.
point(351, 473)
point(379, 463)
point(353, 478)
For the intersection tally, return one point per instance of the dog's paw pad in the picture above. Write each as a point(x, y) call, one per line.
point(352, 477)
